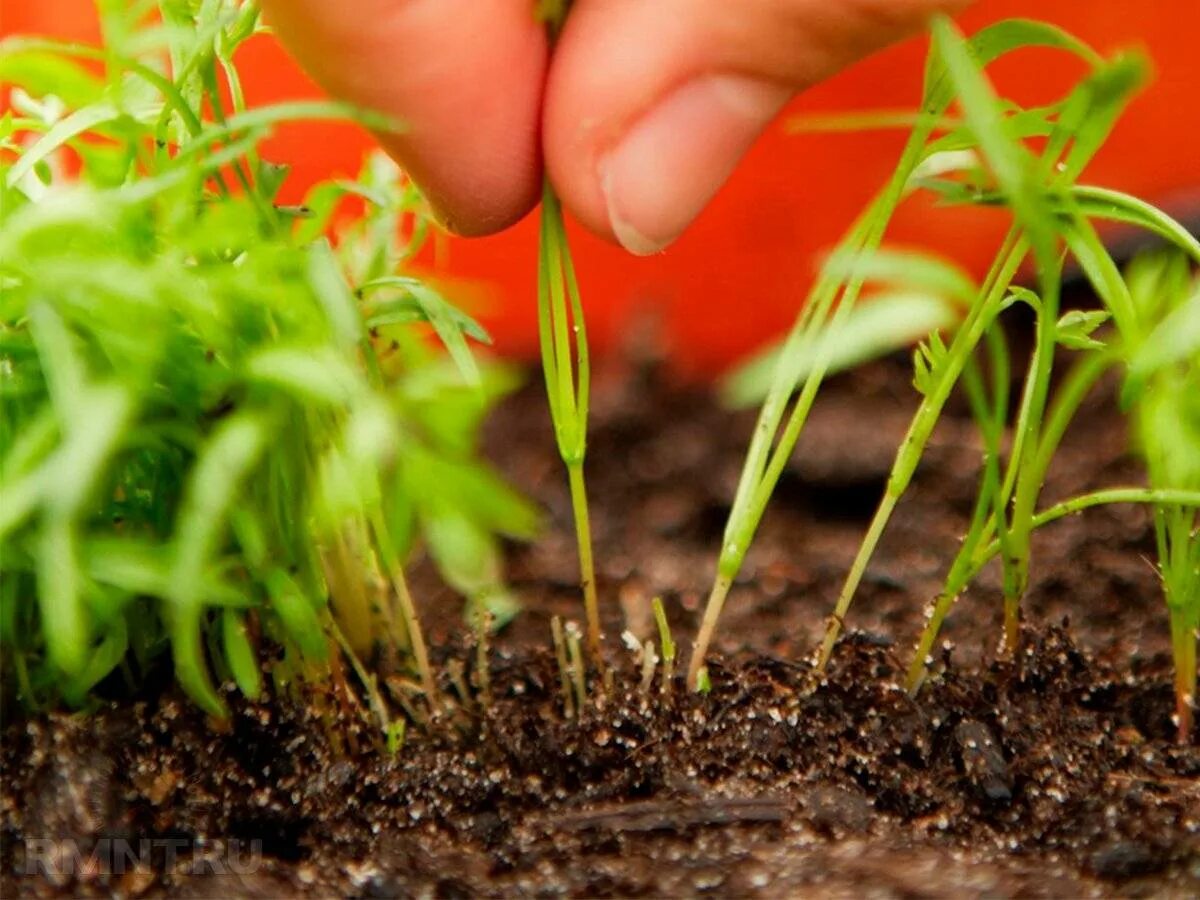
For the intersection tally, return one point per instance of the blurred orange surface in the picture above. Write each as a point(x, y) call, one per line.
point(737, 276)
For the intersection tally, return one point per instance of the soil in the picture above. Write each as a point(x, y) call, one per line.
point(1053, 774)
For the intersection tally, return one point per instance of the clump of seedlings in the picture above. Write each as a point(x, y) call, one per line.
point(985, 157)
point(219, 433)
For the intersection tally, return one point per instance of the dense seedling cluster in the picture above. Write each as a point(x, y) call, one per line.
point(217, 432)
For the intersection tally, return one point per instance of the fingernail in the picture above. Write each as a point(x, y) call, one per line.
point(674, 159)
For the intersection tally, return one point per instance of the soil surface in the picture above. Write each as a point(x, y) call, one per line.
point(1052, 774)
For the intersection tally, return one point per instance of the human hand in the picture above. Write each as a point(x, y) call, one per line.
point(640, 117)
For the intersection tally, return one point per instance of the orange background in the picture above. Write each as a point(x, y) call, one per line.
point(734, 280)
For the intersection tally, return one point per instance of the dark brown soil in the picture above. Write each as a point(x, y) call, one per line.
point(1052, 775)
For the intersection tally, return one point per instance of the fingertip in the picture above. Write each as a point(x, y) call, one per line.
point(466, 80)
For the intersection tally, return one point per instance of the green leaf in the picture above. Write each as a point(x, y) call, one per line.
point(928, 360)
point(911, 270)
point(59, 134)
point(466, 554)
point(1011, 163)
point(310, 375)
point(223, 464)
point(240, 654)
point(297, 615)
point(997, 40)
point(1176, 339)
point(1075, 328)
point(42, 73)
point(329, 285)
point(104, 659)
point(439, 314)
point(1104, 203)
point(1019, 294)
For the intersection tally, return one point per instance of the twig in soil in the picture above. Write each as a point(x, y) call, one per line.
point(455, 669)
point(666, 815)
point(564, 677)
point(578, 672)
point(649, 664)
point(483, 678)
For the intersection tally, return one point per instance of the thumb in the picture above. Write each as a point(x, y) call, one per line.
point(650, 106)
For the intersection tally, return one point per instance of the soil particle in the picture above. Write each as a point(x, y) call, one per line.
point(1051, 774)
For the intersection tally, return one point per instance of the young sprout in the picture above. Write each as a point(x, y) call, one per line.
point(483, 676)
point(568, 378)
point(1164, 387)
point(667, 642)
point(564, 666)
point(563, 336)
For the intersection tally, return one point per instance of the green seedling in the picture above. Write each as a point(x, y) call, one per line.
point(1163, 388)
point(215, 429)
point(566, 369)
point(667, 643)
point(565, 364)
point(1079, 125)
point(1006, 506)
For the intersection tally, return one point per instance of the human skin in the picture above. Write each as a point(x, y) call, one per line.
point(639, 115)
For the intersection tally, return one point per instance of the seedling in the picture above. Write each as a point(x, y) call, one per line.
point(565, 365)
point(667, 643)
point(1164, 389)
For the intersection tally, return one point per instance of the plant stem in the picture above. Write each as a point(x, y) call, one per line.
point(416, 637)
point(1183, 648)
point(969, 563)
point(708, 626)
point(587, 570)
point(1031, 475)
point(408, 611)
point(912, 448)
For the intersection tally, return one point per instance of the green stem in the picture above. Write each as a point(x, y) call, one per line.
point(408, 609)
point(921, 428)
point(1183, 647)
point(708, 627)
point(1030, 475)
point(1075, 387)
point(583, 535)
point(568, 386)
point(969, 562)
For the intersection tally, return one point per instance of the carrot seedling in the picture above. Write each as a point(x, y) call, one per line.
point(565, 364)
point(216, 430)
